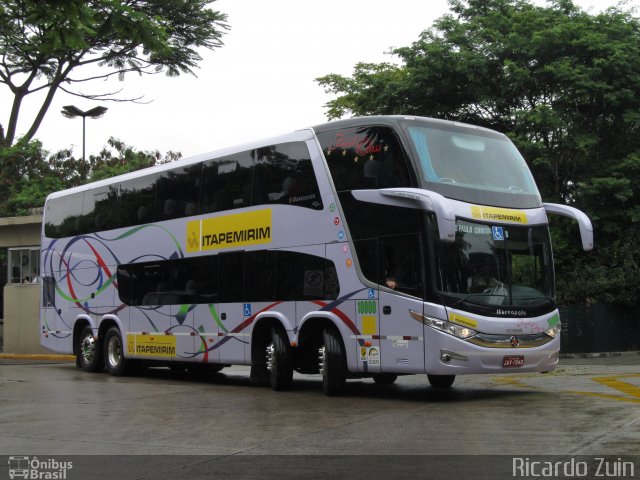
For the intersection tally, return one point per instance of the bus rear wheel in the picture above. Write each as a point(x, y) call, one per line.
point(333, 364)
point(88, 352)
point(441, 381)
point(279, 362)
point(114, 360)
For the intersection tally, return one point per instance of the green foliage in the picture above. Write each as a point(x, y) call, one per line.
point(120, 158)
point(562, 83)
point(609, 274)
point(27, 176)
point(46, 45)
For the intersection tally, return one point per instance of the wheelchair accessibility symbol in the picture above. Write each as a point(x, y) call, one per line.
point(498, 233)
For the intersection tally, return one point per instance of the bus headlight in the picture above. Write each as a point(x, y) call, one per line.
point(554, 331)
point(461, 332)
point(443, 325)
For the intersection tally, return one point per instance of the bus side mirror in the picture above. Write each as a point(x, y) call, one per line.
point(586, 229)
point(418, 199)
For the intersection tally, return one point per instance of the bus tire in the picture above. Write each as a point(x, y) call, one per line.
point(114, 360)
point(279, 362)
point(259, 375)
point(88, 354)
point(333, 363)
point(441, 381)
point(384, 378)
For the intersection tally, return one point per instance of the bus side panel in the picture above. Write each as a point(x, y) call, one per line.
point(367, 346)
point(147, 336)
point(49, 300)
point(352, 291)
point(59, 267)
point(401, 337)
point(235, 317)
point(206, 326)
point(182, 321)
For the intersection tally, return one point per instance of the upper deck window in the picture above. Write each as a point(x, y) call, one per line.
point(274, 174)
point(365, 157)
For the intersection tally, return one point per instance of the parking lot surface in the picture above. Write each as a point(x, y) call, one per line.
point(585, 407)
point(59, 422)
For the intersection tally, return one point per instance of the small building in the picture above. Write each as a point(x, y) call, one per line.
point(20, 274)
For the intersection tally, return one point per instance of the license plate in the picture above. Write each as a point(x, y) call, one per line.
point(511, 361)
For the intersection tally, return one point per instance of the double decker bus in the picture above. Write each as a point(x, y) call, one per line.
point(369, 247)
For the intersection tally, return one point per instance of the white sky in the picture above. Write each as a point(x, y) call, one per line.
point(259, 84)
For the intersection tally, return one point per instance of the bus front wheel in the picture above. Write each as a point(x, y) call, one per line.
point(114, 359)
point(441, 381)
point(333, 365)
point(279, 363)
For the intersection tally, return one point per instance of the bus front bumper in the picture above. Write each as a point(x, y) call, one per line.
point(448, 355)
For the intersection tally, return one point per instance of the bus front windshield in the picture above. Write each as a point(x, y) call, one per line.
point(496, 266)
point(470, 164)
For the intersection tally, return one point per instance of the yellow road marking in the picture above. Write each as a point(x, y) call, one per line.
point(513, 381)
point(632, 392)
point(604, 395)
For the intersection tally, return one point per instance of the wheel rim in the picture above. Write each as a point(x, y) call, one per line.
point(271, 357)
point(88, 349)
point(322, 359)
point(114, 352)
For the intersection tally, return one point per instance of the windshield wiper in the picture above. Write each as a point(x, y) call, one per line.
point(445, 297)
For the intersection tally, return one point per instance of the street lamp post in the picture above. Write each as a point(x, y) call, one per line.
point(71, 111)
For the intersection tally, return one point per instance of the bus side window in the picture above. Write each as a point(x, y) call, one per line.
point(305, 277)
point(400, 261)
point(136, 201)
point(145, 283)
point(260, 277)
point(230, 277)
point(177, 193)
point(63, 215)
point(367, 251)
point(284, 174)
point(49, 292)
point(98, 210)
point(195, 279)
point(226, 183)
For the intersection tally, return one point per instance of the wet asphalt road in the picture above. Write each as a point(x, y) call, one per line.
point(586, 407)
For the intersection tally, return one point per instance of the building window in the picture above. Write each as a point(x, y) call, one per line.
point(24, 265)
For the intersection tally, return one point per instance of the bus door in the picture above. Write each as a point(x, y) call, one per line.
point(401, 291)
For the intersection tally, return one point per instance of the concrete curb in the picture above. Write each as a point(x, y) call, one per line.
point(600, 355)
point(24, 356)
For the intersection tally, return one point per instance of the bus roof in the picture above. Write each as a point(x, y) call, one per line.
point(395, 121)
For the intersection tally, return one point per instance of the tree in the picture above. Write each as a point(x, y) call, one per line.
point(562, 84)
point(27, 176)
point(45, 44)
